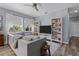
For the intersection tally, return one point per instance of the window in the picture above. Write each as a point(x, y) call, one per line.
point(0, 23)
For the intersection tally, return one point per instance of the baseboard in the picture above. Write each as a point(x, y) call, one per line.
point(75, 36)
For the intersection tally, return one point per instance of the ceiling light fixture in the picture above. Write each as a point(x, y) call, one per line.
point(75, 11)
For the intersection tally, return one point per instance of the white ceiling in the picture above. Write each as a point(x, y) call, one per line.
point(43, 7)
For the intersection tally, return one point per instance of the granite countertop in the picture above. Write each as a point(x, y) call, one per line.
point(31, 38)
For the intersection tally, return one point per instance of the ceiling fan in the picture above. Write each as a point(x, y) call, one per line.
point(34, 5)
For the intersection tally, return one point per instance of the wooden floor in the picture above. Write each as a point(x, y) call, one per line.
point(72, 49)
point(6, 51)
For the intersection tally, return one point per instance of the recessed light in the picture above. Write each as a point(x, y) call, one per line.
point(75, 11)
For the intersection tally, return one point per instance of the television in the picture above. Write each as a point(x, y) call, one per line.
point(45, 29)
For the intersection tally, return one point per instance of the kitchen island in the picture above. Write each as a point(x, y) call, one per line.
point(27, 46)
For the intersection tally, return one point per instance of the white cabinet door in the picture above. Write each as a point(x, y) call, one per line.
point(22, 48)
point(53, 47)
point(11, 41)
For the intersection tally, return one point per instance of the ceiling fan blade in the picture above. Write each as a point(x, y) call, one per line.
point(28, 5)
point(34, 5)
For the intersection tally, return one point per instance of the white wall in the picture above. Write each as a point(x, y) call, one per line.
point(74, 26)
point(46, 20)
